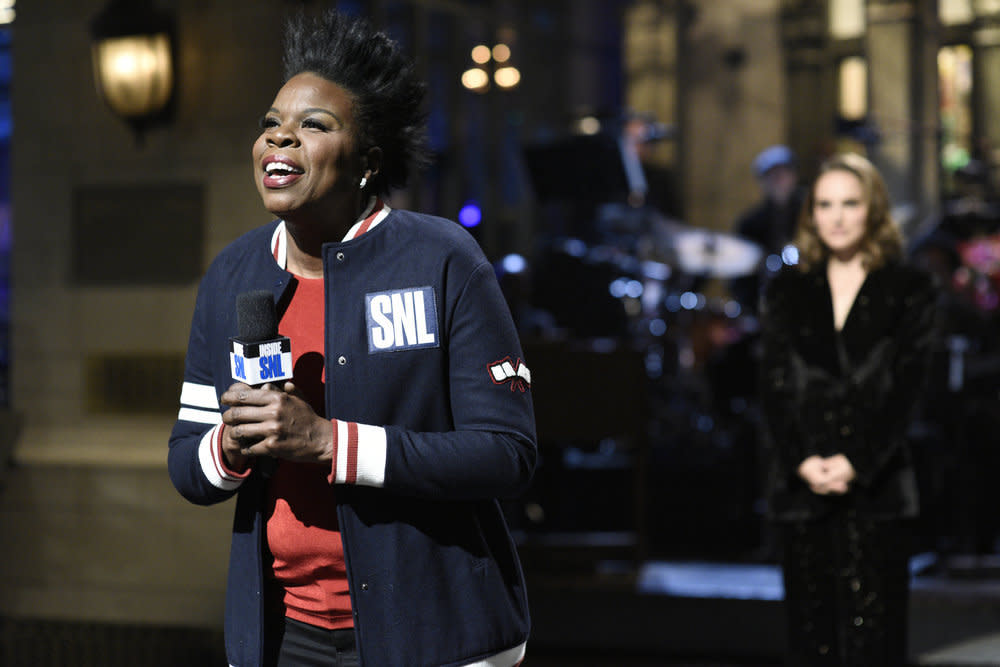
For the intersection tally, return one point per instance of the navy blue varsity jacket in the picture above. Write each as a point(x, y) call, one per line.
point(425, 373)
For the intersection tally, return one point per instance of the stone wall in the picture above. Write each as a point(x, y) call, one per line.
point(67, 142)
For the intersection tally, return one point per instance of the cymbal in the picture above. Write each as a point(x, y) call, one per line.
point(714, 254)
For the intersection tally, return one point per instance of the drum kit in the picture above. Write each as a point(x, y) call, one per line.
point(615, 275)
point(651, 291)
point(624, 271)
point(649, 283)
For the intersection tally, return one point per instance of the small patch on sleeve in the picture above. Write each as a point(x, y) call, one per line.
point(513, 371)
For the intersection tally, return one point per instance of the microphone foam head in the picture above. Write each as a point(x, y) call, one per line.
point(256, 316)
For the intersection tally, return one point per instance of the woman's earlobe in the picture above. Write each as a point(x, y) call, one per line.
point(374, 161)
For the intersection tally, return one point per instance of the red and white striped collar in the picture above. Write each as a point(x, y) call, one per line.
point(374, 213)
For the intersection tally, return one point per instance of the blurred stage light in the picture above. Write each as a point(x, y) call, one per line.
point(470, 215)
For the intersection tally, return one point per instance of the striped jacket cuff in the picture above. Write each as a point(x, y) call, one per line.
point(212, 463)
point(359, 453)
point(199, 404)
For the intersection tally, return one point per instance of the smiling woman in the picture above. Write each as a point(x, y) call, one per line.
point(308, 166)
point(367, 515)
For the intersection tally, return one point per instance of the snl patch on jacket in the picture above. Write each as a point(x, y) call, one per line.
point(403, 319)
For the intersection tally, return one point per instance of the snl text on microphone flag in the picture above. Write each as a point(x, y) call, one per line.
point(261, 362)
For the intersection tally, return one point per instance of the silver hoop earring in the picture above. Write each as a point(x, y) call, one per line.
point(364, 182)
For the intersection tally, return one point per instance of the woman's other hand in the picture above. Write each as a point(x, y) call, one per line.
point(827, 475)
point(273, 421)
point(841, 473)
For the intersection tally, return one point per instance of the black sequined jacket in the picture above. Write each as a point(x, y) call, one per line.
point(852, 392)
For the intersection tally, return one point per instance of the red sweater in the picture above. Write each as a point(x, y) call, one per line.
point(302, 530)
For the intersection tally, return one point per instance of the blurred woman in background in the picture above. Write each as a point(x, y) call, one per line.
point(846, 335)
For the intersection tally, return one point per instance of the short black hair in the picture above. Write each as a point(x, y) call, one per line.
point(388, 96)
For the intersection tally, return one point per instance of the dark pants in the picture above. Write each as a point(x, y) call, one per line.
point(846, 591)
point(304, 645)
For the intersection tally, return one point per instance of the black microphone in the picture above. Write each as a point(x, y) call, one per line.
point(258, 355)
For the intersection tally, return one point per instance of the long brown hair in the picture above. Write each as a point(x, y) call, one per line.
point(882, 241)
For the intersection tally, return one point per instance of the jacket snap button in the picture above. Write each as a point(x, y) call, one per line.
point(341, 360)
point(340, 257)
point(364, 587)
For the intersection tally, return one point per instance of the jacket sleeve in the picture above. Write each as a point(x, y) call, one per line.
point(781, 382)
point(491, 452)
point(193, 459)
point(887, 396)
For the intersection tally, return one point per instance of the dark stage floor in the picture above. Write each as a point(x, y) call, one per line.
point(729, 614)
point(662, 614)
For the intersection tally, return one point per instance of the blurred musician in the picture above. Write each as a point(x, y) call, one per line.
point(847, 337)
point(771, 221)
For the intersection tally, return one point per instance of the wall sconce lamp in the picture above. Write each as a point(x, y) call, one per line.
point(132, 49)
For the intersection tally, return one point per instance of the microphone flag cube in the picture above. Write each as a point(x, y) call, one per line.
point(262, 361)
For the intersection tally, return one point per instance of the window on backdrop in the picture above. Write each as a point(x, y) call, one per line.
point(853, 88)
point(853, 131)
point(955, 12)
point(847, 18)
point(955, 90)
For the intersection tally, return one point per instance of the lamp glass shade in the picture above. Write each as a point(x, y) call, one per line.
point(134, 73)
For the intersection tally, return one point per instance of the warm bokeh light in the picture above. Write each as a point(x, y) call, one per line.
point(476, 79)
point(589, 125)
point(507, 77)
point(481, 54)
point(501, 53)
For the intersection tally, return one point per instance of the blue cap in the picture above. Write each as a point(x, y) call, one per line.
point(771, 157)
